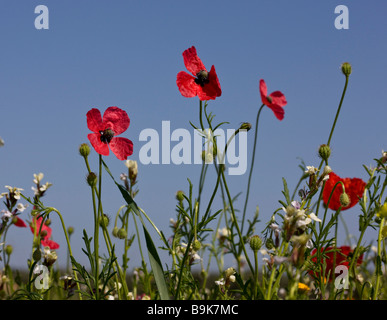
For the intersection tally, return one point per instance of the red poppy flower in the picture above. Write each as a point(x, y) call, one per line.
point(203, 84)
point(353, 187)
point(343, 255)
point(45, 233)
point(114, 122)
point(19, 222)
point(275, 100)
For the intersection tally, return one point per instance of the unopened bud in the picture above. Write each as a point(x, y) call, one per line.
point(196, 245)
point(344, 200)
point(346, 69)
point(255, 243)
point(70, 230)
point(115, 232)
point(91, 179)
point(8, 250)
point(121, 234)
point(180, 195)
point(104, 221)
point(324, 152)
point(84, 150)
point(245, 126)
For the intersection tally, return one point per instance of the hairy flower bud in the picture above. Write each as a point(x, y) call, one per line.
point(245, 126)
point(324, 152)
point(8, 250)
point(346, 68)
point(255, 243)
point(91, 179)
point(180, 195)
point(84, 150)
point(121, 234)
point(344, 200)
point(196, 245)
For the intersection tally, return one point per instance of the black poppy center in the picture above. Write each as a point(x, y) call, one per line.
point(107, 135)
point(202, 78)
point(270, 99)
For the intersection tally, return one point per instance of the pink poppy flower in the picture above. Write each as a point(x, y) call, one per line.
point(114, 122)
point(275, 100)
point(201, 83)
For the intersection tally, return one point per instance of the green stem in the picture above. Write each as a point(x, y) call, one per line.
point(235, 221)
point(378, 267)
point(338, 110)
point(251, 167)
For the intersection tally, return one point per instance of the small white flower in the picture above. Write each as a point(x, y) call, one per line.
point(38, 177)
point(314, 217)
point(21, 207)
point(6, 214)
point(311, 170)
point(220, 282)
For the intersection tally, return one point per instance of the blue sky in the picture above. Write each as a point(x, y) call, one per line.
point(97, 54)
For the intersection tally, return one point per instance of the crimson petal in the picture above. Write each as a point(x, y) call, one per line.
point(192, 62)
point(121, 147)
point(98, 145)
point(186, 84)
point(116, 119)
point(94, 120)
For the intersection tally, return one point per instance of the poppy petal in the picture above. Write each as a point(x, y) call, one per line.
point(192, 62)
point(354, 187)
point(94, 120)
point(121, 147)
point(278, 98)
point(212, 89)
point(20, 223)
point(186, 84)
point(279, 112)
point(98, 145)
point(116, 119)
point(51, 244)
point(263, 91)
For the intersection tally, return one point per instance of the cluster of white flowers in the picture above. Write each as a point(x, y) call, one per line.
point(229, 277)
point(40, 189)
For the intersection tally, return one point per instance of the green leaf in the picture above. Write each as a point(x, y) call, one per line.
point(152, 252)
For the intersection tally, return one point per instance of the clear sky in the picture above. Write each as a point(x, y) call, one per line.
point(97, 54)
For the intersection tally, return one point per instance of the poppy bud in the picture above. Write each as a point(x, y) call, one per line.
point(115, 232)
point(344, 200)
point(37, 255)
point(269, 243)
point(121, 234)
point(346, 69)
point(91, 179)
point(245, 126)
point(180, 195)
point(382, 213)
point(324, 152)
point(255, 243)
point(84, 150)
point(70, 230)
point(196, 245)
point(8, 250)
point(104, 221)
